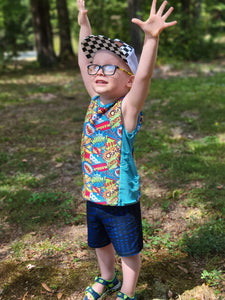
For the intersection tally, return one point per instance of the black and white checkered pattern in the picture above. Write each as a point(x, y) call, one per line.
point(92, 44)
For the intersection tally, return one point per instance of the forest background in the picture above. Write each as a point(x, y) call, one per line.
point(50, 27)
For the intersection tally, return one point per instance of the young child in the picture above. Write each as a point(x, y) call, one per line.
point(118, 86)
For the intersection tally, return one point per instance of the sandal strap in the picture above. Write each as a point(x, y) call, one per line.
point(107, 283)
point(101, 280)
point(110, 287)
point(92, 292)
point(125, 297)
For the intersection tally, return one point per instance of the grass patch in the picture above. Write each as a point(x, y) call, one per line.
point(39, 148)
point(31, 209)
point(183, 137)
point(207, 240)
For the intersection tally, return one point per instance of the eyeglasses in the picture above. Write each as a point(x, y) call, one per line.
point(107, 70)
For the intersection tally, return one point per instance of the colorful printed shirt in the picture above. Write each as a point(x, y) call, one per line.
point(109, 172)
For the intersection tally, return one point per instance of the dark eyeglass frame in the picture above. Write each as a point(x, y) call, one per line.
point(98, 67)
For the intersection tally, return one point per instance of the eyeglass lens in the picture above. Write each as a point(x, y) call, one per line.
point(107, 69)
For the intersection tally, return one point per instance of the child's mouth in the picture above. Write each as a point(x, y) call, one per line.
point(100, 81)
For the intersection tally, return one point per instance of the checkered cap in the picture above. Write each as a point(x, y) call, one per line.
point(93, 43)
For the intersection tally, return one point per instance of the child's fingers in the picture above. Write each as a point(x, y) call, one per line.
point(170, 24)
point(81, 4)
point(166, 15)
point(137, 21)
point(161, 9)
point(153, 7)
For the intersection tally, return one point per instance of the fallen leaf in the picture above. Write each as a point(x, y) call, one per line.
point(59, 165)
point(59, 295)
point(25, 295)
point(44, 285)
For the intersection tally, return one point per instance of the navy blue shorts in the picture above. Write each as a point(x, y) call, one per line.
point(119, 225)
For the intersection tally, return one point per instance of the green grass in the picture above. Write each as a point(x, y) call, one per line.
point(30, 210)
point(183, 138)
point(39, 148)
point(207, 240)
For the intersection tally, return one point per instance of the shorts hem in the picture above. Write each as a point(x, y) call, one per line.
point(129, 254)
point(99, 246)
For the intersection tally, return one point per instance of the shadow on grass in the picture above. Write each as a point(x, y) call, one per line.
point(155, 280)
point(199, 161)
point(19, 279)
point(28, 211)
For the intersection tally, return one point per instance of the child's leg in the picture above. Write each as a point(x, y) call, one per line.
point(131, 268)
point(106, 261)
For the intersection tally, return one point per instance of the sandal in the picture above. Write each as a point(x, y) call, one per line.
point(125, 297)
point(110, 287)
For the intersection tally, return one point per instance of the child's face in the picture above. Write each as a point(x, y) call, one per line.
point(114, 86)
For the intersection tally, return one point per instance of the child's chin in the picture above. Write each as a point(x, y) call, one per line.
point(101, 90)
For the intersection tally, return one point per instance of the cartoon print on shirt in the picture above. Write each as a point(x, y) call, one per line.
point(101, 148)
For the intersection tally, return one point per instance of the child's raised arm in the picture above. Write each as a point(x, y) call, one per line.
point(85, 30)
point(152, 28)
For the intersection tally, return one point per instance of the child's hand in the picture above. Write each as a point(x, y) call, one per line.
point(82, 12)
point(156, 21)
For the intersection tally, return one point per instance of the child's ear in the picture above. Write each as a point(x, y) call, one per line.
point(130, 81)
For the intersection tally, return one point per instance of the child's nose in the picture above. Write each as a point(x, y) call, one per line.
point(100, 71)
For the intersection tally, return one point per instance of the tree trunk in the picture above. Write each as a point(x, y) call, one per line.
point(66, 51)
point(185, 10)
point(43, 32)
point(135, 32)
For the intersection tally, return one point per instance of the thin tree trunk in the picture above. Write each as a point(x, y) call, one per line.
point(66, 51)
point(43, 32)
point(133, 9)
point(185, 8)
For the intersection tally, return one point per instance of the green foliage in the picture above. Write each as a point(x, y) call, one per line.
point(109, 17)
point(212, 278)
point(195, 36)
point(154, 238)
point(4, 157)
point(207, 240)
point(149, 229)
point(189, 44)
point(18, 247)
point(15, 26)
